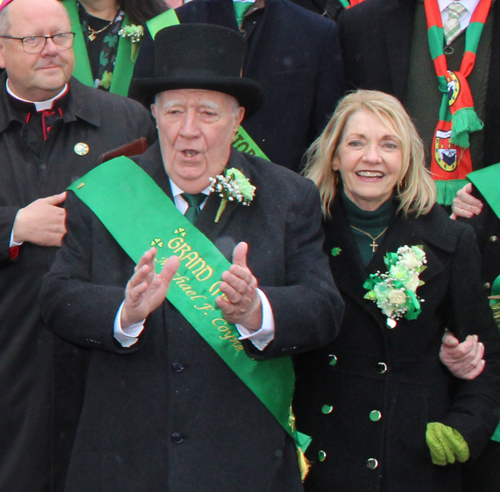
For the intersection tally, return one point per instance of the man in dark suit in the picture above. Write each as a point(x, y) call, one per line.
point(52, 131)
point(294, 54)
point(385, 48)
point(163, 410)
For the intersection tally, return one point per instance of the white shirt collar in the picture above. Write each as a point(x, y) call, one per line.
point(39, 105)
point(470, 5)
point(180, 203)
point(176, 191)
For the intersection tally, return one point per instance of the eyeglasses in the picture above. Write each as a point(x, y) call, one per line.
point(35, 44)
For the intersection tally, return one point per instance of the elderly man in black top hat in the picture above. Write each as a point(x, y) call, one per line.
point(192, 393)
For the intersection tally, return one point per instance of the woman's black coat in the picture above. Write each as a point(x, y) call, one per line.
point(397, 372)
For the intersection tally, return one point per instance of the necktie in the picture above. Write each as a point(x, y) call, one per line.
point(452, 26)
point(194, 202)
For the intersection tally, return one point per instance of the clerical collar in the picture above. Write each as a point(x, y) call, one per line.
point(39, 105)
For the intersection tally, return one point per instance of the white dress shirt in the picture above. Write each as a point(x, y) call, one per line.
point(465, 18)
point(261, 338)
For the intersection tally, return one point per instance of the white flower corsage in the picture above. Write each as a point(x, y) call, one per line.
point(232, 186)
point(395, 291)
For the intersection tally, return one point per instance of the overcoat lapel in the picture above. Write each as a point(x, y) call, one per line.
point(206, 221)
point(492, 117)
point(265, 33)
point(397, 28)
point(347, 267)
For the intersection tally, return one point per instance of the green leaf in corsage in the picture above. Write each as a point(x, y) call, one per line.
point(395, 291)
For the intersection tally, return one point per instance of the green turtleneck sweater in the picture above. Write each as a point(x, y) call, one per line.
point(372, 223)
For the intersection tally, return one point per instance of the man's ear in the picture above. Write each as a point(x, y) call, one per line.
point(153, 110)
point(2, 59)
point(240, 114)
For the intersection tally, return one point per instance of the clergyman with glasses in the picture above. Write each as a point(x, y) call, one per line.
point(52, 131)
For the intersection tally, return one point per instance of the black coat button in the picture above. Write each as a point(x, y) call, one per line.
point(177, 367)
point(177, 437)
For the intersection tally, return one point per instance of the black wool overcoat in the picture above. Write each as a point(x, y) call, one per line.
point(41, 377)
point(366, 399)
point(168, 414)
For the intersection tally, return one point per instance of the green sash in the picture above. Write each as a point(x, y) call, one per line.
point(486, 180)
point(139, 215)
point(242, 141)
point(124, 66)
point(165, 19)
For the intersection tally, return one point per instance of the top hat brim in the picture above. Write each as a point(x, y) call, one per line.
point(246, 91)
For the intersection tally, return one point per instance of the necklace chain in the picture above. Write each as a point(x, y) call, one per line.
point(374, 244)
point(93, 33)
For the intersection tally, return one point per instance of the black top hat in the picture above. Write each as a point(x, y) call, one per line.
point(200, 56)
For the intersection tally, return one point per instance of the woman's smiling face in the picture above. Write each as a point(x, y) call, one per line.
point(369, 159)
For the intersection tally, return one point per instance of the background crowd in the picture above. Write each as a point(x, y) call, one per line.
point(416, 134)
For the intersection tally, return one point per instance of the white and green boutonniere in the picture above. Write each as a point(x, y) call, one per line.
point(134, 33)
point(395, 291)
point(232, 186)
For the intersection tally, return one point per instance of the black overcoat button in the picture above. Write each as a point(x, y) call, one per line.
point(177, 437)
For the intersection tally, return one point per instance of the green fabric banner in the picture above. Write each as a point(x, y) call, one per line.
point(165, 19)
point(244, 143)
point(124, 65)
point(487, 181)
point(139, 215)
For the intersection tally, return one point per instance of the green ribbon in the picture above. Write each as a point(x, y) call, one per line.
point(124, 65)
point(242, 141)
point(165, 19)
point(486, 181)
point(139, 216)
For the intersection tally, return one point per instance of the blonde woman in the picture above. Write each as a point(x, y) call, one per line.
point(384, 413)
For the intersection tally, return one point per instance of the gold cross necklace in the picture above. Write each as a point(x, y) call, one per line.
point(374, 244)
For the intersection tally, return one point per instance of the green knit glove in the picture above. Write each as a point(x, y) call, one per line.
point(446, 444)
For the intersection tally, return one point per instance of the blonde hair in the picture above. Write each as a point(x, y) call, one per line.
point(416, 190)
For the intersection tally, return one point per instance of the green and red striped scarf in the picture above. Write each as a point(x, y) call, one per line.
point(450, 154)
